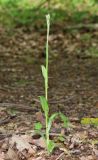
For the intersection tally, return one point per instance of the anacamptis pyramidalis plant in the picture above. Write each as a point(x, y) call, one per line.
point(44, 99)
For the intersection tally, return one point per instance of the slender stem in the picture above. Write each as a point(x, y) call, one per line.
point(47, 133)
point(47, 55)
point(46, 80)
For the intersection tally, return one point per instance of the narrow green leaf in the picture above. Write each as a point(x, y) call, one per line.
point(51, 146)
point(53, 116)
point(61, 138)
point(44, 104)
point(44, 72)
point(38, 126)
point(64, 119)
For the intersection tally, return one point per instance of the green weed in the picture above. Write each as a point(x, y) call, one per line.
point(44, 101)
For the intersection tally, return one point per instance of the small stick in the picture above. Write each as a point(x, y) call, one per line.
point(60, 156)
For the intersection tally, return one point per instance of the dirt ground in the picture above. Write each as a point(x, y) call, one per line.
point(73, 81)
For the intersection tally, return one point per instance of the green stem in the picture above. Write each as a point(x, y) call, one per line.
point(46, 80)
point(47, 133)
point(47, 56)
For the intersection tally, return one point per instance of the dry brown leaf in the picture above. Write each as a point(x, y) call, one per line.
point(40, 118)
point(11, 154)
point(21, 144)
point(39, 142)
point(87, 158)
point(78, 138)
point(95, 152)
point(2, 156)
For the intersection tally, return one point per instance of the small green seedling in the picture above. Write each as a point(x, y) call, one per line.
point(44, 101)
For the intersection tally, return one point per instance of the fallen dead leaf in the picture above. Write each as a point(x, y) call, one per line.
point(11, 154)
point(2, 156)
point(39, 142)
point(95, 152)
point(77, 139)
point(87, 158)
point(21, 144)
point(40, 118)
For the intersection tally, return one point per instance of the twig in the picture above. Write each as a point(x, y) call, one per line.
point(60, 156)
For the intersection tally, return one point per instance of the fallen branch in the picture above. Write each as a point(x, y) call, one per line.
point(60, 156)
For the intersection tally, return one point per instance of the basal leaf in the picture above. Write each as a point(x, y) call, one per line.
point(53, 116)
point(64, 119)
point(38, 126)
point(51, 146)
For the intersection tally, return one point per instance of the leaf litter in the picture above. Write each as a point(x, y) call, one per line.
point(72, 89)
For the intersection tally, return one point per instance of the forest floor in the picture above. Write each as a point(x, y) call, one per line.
point(73, 90)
